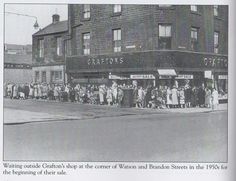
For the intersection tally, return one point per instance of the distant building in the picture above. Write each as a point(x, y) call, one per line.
point(49, 52)
point(18, 49)
point(160, 45)
point(17, 63)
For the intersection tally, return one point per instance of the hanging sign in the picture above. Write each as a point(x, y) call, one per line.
point(208, 74)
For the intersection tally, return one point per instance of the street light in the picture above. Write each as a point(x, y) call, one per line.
point(36, 25)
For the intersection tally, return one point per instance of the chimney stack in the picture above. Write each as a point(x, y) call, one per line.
point(55, 18)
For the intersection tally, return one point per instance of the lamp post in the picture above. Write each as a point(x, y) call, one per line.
point(36, 25)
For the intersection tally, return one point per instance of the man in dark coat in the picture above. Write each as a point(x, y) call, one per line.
point(148, 96)
point(26, 91)
point(201, 96)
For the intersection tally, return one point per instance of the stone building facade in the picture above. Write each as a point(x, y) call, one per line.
point(49, 50)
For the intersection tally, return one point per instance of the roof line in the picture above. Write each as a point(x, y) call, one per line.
point(35, 34)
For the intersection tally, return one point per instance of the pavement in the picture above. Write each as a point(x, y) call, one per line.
point(82, 111)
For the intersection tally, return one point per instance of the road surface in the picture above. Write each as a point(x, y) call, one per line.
point(55, 131)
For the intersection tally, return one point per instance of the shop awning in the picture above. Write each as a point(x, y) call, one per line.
point(166, 72)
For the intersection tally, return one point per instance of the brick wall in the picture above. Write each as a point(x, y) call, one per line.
point(139, 25)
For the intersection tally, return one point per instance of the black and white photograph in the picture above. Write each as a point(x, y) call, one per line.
point(115, 83)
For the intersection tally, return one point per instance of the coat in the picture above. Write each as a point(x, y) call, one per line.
point(101, 94)
point(109, 95)
point(174, 93)
point(188, 92)
point(168, 97)
point(208, 97)
point(135, 95)
point(201, 96)
point(15, 91)
point(181, 97)
point(215, 97)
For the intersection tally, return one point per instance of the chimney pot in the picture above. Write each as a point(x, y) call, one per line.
point(55, 18)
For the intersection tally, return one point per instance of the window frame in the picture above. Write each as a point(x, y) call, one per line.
point(115, 7)
point(195, 38)
point(36, 76)
point(41, 48)
point(216, 45)
point(116, 39)
point(216, 10)
point(86, 43)
point(196, 32)
point(165, 25)
point(59, 47)
point(194, 8)
point(166, 37)
point(42, 76)
point(54, 73)
point(86, 11)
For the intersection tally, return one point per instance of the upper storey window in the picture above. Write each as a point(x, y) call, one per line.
point(216, 42)
point(164, 36)
point(59, 46)
point(41, 48)
point(86, 44)
point(116, 8)
point(194, 38)
point(86, 11)
point(117, 40)
point(216, 10)
point(194, 8)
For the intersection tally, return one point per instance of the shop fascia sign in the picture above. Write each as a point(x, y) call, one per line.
point(184, 76)
point(105, 61)
point(223, 77)
point(215, 61)
point(142, 76)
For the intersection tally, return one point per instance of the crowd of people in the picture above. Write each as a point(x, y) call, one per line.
point(142, 97)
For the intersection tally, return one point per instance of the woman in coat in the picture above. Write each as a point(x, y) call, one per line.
point(188, 93)
point(135, 96)
point(181, 97)
point(215, 99)
point(56, 92)
point(36, 91)
point(120, 95)
point(208, 98)
point(168, 97)
point(102, 94)
point(174, 93)
point(114, 92)
point(109, 96)
point(201, 96)
point(15, 92)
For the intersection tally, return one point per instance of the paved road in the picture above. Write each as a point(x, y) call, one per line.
point(74, 132)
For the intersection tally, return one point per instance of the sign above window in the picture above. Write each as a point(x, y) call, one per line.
point(142, 76)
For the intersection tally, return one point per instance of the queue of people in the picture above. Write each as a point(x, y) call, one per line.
point(143, 97)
